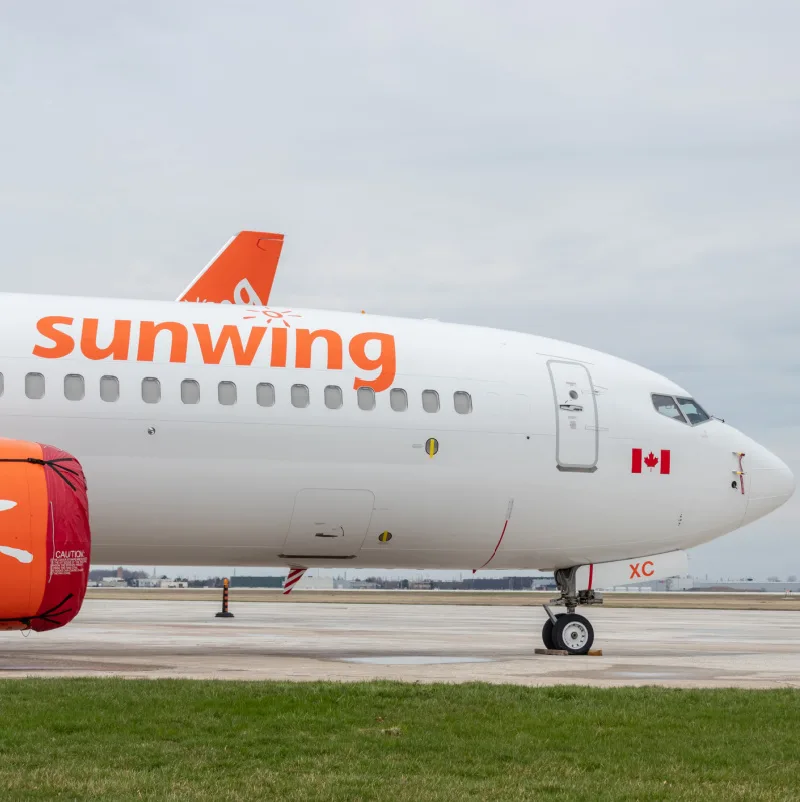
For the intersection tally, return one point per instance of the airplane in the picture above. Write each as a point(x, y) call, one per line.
point(222, 434)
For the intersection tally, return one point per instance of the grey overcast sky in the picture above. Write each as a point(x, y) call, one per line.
point(620, 174)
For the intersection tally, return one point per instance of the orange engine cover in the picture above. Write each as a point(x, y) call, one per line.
point(45, 540)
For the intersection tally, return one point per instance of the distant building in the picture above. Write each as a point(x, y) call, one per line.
point(545, 582)
point(711, 586)
point(315, 583)
point(160, 582)
point(657, 585)
point(257, 581)
point(276, 582)
point(747, 586)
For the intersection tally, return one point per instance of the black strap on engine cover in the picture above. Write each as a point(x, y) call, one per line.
point(48, 615)
point(55, 464)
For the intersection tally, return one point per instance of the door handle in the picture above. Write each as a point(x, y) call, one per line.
point(572, 407)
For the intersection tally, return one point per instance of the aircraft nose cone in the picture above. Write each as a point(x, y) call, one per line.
point(771, 485)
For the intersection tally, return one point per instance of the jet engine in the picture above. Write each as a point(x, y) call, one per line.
point(45, 540)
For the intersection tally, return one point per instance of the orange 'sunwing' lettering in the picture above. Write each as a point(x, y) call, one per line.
point(386, 361)
point(213, 349)
point(63, 344)
point(277, 357)
point(148, 331)
point(120, 342)
point(305, 340)
point(242, 354)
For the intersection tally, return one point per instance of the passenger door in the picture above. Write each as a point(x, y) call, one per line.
point(328, 524)
point(576, 416)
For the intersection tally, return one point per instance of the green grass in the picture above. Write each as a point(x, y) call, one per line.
point(184, 740)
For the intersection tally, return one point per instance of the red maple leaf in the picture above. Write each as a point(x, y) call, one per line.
point(651, 460)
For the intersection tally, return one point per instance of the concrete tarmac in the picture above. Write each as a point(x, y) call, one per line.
point(414, 643)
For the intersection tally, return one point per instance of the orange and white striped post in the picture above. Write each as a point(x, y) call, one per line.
point(225, 612)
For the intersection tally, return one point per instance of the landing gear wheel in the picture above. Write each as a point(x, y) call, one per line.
point(573, 633)
point(547, 632)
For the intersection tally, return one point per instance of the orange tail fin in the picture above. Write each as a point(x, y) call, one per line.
point(241, 273)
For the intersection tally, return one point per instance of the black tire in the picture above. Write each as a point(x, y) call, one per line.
point(573, 633)
point(547, 632)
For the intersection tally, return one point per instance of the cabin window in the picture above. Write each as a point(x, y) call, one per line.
point(300, 396)
point(665, 405)
point(366, 398)
point(430, 400)
point(333, 397)
point(109, 388)
point(151, 390)
point(226, 393)
point(34, 385)
point(398, 399)
point(462, 402)
point(74, 387)
point(190, 391)
point(265, 395)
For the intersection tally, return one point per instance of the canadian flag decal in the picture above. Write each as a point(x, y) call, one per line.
point(640, 460)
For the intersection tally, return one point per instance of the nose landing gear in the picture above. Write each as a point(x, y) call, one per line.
point(569, 631)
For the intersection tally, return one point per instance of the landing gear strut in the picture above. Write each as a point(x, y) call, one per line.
point(569, 631)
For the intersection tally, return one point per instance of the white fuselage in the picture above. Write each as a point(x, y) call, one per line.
point(542, 446)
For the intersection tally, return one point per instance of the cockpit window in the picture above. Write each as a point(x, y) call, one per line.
point(685, 410)
point(666, 405)
point(692, 410)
